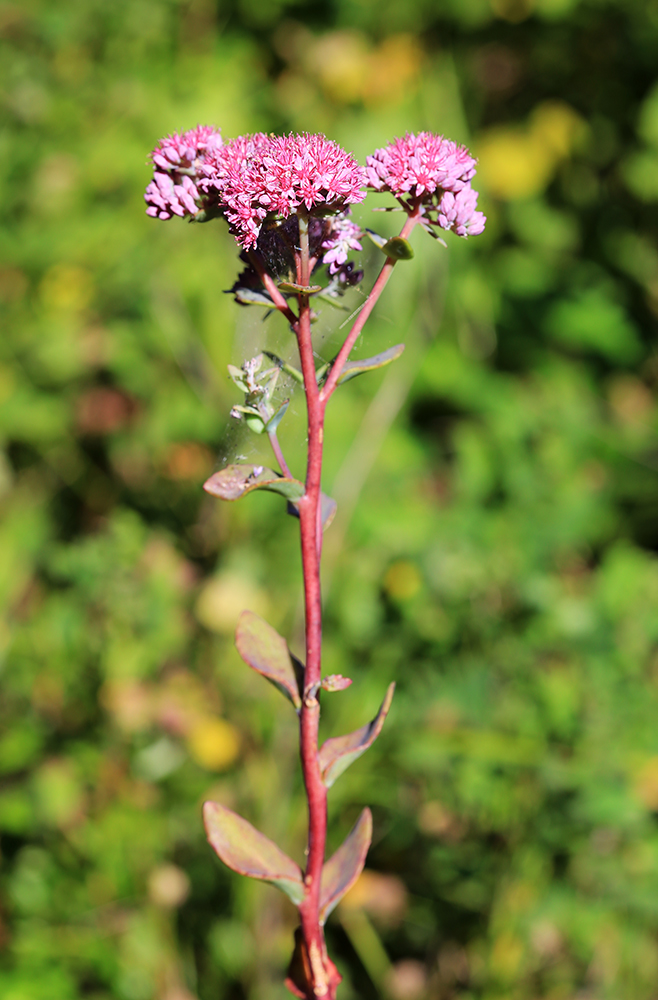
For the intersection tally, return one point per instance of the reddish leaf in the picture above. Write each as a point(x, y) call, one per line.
point(236, 481)
point(337, 754)
point(343, 868)
point(243, 849)
point(262, 648)
point(335, 682)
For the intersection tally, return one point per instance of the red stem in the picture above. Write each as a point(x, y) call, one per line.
point(322, 972)
point(361, 319)
point(323, 976)
point(278, 299)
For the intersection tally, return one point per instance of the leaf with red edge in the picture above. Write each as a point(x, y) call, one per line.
point(235, 481)
point(265, 651)
point(338, 753)
point(353, 368)
point(343, 868)
point(248, 852)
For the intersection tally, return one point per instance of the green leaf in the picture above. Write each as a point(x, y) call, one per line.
point(338, 753)
point(343, 868)
point(284, 366)
point(353, 368)
point(252, 297)
point(265, 651)
point(398, 248)
point(275, 420)
point(379, 241)
point(290, 286)
point(235, 481)
point(248, 852)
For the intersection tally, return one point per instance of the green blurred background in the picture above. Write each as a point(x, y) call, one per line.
point(494, 551)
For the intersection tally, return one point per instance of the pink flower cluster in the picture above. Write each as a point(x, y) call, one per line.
point(254, 177)
point(343, 237)
point(259, 175)
point(435, 172)
point(179, 163)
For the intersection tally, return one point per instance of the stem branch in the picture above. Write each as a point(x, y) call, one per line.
point(368, 306)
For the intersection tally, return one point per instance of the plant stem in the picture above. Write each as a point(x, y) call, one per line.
point(323, 974)
point(368, 306)
point(278, 299)
point(278, 454)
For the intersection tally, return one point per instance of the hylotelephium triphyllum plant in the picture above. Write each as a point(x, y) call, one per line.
point(287, 203)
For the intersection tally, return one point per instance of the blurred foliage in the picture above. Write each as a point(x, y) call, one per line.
point(497, 495)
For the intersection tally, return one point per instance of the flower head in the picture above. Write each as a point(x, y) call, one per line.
point(183, 150)
point(457, 212)
point(179, 163)
point(234, 173)
point(419, 165)
point(432, 172)
point(259, 175)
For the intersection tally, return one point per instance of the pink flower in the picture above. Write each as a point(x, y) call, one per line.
point(343, 236)
point(433, 172)
point(419, 165)
point(457, 212)
point(182, 150)
point(256, 176)
point(234, 173)
point(179, 163)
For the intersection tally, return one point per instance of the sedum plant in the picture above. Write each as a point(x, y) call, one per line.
point(287, 201)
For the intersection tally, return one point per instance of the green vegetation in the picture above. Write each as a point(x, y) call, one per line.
point(497, 495)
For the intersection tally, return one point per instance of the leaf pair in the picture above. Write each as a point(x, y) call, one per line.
point(265, 651)
point(236, 481)
point(247, 851)
point(350, 369)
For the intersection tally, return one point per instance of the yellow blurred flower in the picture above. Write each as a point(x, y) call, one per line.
point(213, 743)
point(224, 597)
point(402, 580)
point(517, 162)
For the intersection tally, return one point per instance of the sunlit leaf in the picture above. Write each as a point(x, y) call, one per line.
point(353, 368)
point(248, 852)
point(262, 648)
point(338, 753)
point(290, 286)
point(377, 239)
point(398, 248)
point(235, 481)
point(343, 868)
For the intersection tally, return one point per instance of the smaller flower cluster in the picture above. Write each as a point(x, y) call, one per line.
point(433, 172)
point(343, 236)
point(179, 162)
